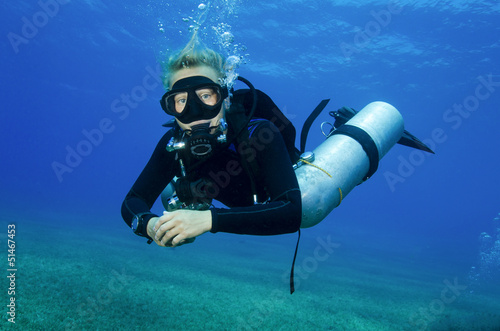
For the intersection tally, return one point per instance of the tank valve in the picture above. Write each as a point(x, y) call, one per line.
point(307, 157)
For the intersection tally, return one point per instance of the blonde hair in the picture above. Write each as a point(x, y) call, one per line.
point(193, 55)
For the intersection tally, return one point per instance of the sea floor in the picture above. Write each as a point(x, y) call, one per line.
point(92, 277)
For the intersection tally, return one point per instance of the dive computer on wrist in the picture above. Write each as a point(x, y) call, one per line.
point(137, 225)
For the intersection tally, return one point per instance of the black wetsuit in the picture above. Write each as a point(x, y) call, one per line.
point(276, 184)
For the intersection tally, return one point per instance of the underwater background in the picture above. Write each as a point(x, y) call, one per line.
point(416, 247)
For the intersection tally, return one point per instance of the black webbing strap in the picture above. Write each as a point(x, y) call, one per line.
point(365, 141)
point(292, 283)
point(309, 121)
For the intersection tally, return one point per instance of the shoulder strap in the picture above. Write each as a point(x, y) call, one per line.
point(267, 109)
point(236, 118)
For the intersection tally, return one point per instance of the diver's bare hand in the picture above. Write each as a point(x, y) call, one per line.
point(175, 228)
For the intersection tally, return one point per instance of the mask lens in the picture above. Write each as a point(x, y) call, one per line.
point(209, 96)
point(176, 102)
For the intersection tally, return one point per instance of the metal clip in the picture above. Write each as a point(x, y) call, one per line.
point(222, 139)
point(174, 146)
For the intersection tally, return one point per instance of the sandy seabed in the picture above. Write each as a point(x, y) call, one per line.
point(91, 277)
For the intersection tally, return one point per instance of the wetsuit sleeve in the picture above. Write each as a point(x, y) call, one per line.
point(155, 176)
point(282, 214)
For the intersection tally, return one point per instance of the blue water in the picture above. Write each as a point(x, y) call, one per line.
point(66, 69)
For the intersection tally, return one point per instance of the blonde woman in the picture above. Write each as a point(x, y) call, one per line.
point(216, 155)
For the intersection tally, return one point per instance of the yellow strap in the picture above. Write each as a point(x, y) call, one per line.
point(326, 172)
point(307, 162)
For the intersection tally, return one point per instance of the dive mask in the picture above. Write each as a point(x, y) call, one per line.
point(194, 98)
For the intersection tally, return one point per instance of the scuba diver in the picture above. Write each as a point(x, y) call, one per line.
point(237, 147)
point(213, 149)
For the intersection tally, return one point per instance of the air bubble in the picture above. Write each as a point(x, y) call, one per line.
point(227, 37)
point(202, 6)
point(233, 62)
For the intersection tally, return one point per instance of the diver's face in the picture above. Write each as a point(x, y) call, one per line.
point(198, 71)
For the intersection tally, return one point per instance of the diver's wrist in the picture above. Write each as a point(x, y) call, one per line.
point(150, 226)
point(208, 220)
point(140, 223)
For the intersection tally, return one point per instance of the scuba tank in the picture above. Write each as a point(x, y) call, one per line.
point(348, 157)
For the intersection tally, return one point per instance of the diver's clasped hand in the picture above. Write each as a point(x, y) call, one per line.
point(179, 227)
